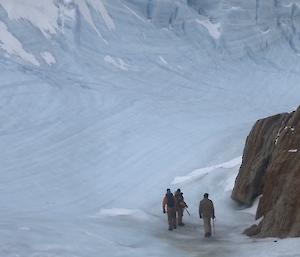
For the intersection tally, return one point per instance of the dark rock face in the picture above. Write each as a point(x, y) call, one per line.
point(271, 168)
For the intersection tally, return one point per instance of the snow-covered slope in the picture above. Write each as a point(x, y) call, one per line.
point(105, 104)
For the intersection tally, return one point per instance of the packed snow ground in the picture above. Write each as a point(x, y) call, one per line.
point(106, 104)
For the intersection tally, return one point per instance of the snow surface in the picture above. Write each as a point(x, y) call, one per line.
point(106, 104)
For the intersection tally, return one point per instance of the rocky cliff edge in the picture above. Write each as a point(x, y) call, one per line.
point(271, 169)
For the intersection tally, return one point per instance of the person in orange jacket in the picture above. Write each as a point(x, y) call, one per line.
point(206, 212)
point(172, 204)
point(181, 205)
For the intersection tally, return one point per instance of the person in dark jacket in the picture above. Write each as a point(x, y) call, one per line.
point(206, 212)
point(171, 202)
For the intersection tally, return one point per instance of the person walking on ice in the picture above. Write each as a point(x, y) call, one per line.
point(181, 205)
point(171, 202)
point(206, 212)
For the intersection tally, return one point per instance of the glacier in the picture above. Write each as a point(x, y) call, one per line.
point(106, 104)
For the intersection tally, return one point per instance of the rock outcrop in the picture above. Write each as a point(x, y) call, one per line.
point(271, 169)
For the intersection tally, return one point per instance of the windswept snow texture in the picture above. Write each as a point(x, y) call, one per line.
point(106, 104)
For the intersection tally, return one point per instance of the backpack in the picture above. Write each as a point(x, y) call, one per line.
point(179, 198)
point(170, 200)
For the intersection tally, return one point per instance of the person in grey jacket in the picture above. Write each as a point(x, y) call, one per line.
point(206, 212)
